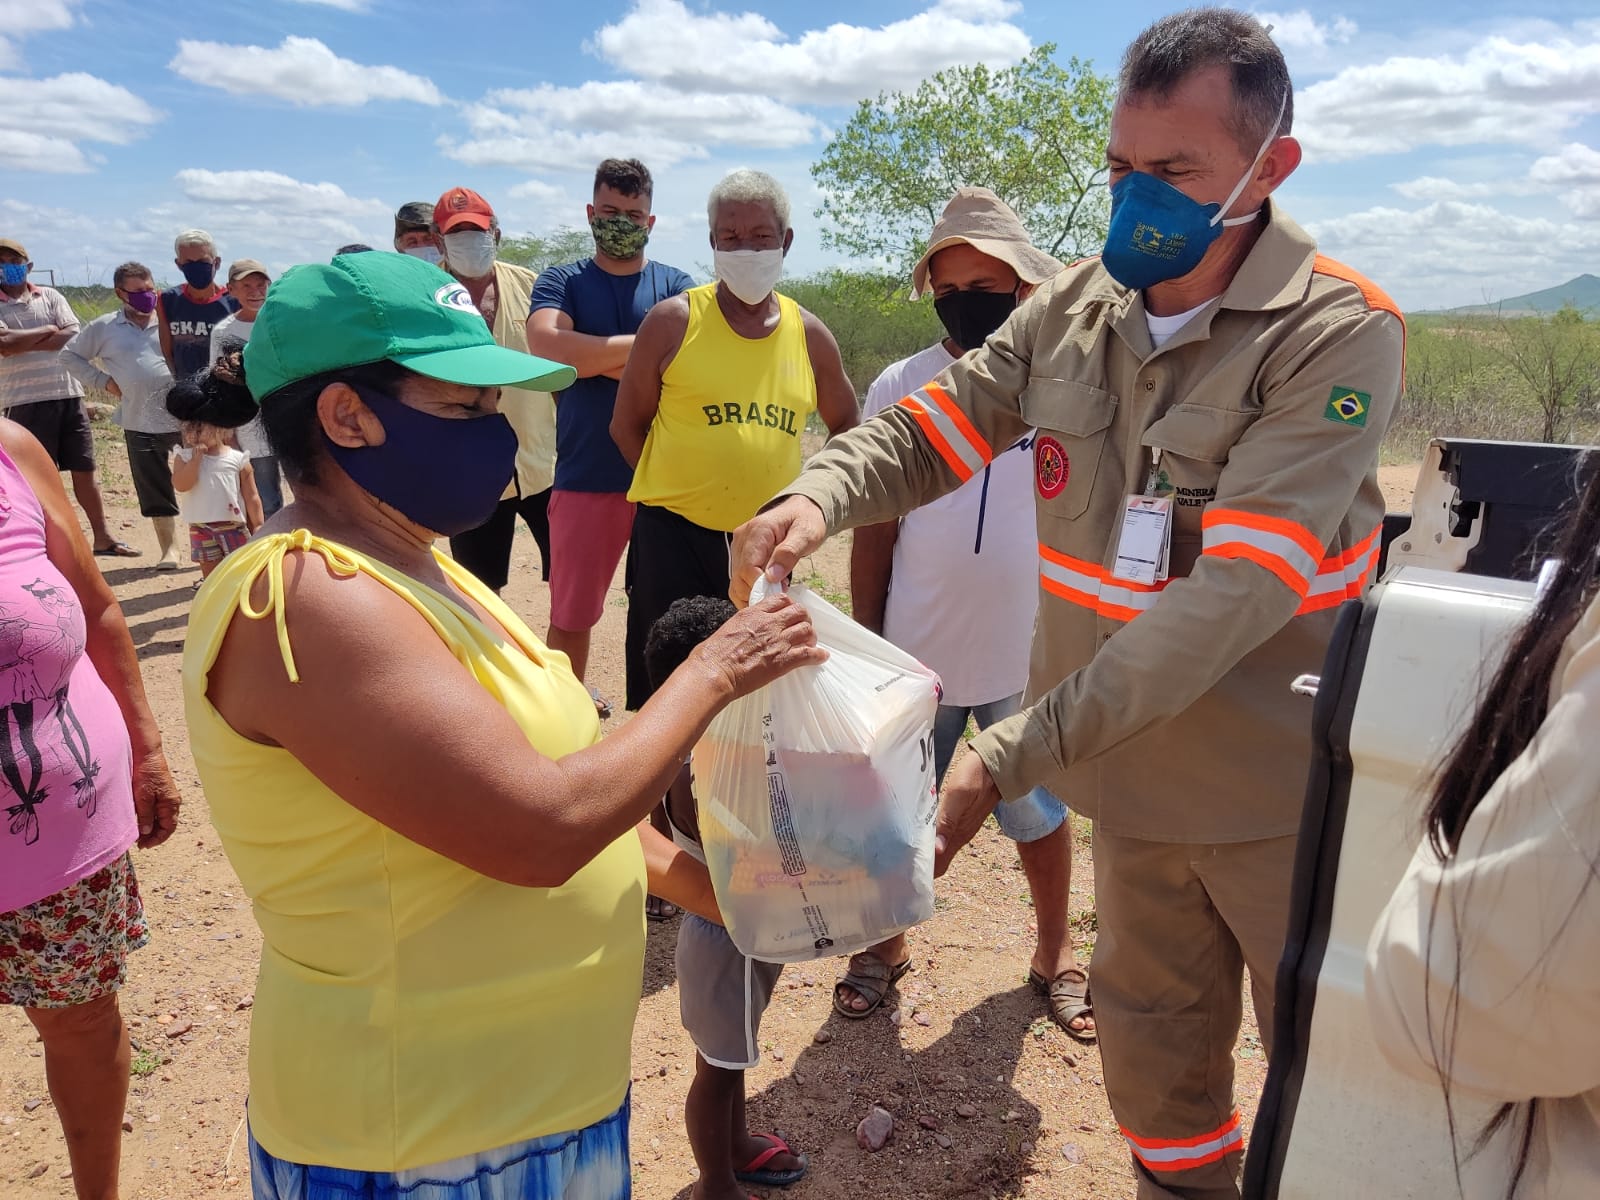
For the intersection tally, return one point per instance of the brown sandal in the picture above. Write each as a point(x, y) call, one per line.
point(870, 978)
point(1068, 997)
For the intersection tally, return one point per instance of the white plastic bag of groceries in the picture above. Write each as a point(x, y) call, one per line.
point(817, 798)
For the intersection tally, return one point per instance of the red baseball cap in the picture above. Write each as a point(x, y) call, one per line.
point(462, 207)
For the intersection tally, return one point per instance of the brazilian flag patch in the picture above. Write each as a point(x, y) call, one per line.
point(1346, 406)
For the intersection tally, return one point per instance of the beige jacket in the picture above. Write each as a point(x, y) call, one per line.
point(1517, 913)
point(532, 414)
point(1164, 712)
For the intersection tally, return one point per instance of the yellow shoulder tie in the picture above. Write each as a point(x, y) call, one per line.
point(342, 562)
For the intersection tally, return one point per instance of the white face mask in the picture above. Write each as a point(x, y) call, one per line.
point(750, 274)
point(470, 253)
point(428, 254)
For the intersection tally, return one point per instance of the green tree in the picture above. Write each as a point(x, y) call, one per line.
point(1035, 133)
point(1558, 357)
point(551, 250)
point(870, 317)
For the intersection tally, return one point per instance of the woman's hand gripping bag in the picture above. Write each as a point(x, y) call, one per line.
point(817, 798)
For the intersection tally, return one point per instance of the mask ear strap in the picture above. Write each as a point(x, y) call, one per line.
point(1244, 180)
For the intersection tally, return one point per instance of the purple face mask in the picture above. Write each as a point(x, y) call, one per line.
point(142, 302)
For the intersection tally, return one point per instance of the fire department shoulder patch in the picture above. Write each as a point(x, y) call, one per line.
point(1050, 466)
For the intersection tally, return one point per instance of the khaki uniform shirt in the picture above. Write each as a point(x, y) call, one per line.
point(1164, 712)
point(532, 414)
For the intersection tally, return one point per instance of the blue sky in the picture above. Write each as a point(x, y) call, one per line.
point(1452, 158)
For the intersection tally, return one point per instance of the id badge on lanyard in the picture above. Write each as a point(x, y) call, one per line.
point(1144, 544)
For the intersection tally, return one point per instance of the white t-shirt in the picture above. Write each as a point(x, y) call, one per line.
point(964, 585)
point(1163, 329)
point(215, 496)
point(252, 438)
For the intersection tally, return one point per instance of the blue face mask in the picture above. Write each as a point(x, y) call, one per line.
point(1158, 233)
point(445, 474)
point(14, 274)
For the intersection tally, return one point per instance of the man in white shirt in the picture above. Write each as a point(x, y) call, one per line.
point(120, 352)
point(247, 283)
point(956, 584)
point(35, 322)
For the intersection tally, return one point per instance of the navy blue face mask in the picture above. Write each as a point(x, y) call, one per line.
point(199, 274)
point(1158, 233)
point(445, 474)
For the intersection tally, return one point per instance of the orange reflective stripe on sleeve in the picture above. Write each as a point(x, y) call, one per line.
point(1184, 1154)
point(1091, 586)
point(1286, 549)
point(1344, 576)
point(949, 431)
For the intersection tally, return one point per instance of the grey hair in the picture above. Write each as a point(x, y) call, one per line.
point(193, 237)
point(745, 186)
point(1175, 47)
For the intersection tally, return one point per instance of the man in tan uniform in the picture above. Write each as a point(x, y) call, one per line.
point(1211, 392)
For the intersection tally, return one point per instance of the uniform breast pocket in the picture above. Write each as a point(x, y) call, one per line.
point(1072, 420)
point(1195, 443)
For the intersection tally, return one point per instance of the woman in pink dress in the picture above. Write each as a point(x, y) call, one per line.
point(82, 779)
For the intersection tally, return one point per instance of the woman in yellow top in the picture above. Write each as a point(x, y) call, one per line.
point(719, 385)
point(440, 851)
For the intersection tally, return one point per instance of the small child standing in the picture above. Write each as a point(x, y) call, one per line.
point(216, 493)
point(721, 993)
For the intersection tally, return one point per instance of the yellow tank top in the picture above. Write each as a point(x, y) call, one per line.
point(727, 435)
point(410, 1010)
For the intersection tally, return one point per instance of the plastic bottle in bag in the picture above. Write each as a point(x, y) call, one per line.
point(817, 798)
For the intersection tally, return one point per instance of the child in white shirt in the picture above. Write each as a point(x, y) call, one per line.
point(216, 493)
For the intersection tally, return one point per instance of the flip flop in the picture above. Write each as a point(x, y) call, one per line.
point(117, 550)
point(657, 909)
point(602, 706)
point(870, 978)
point(754, 1171)
point(1068, 997)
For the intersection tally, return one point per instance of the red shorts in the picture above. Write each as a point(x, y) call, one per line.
point(588, 533)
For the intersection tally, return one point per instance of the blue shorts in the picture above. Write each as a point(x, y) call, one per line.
point(587, 1164)
point(1025, 819)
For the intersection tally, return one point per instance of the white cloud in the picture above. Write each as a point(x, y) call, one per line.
point(1437, 187)
point(43, 120)
point(572, 128)
point(302, 71)
point(24, 151)
point(745, 52)
point(1450, 252)
point(1498, 92)
point(1575, 172)
point(539, 190)
point(349, 6)
point(19, 18)
point(1300, 31)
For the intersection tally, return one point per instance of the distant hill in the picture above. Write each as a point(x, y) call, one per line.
point(1582, 292)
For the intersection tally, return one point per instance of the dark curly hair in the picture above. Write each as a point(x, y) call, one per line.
point(679, 630)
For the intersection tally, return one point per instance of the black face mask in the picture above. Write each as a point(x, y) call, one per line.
point(970, 317)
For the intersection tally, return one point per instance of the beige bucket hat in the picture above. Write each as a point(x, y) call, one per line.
point(978, 217)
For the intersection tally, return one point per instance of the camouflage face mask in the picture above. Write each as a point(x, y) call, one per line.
point(618, 237)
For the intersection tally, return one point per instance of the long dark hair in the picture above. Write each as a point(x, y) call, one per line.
point(1511, 710)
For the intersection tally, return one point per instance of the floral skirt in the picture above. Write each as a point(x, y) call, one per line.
point(72, 947)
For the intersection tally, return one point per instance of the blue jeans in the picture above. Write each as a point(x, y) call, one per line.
point(1025, 819)
point(587, 1164)
point(268, 482)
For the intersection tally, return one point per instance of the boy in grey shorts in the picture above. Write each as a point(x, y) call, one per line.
point(721, 993)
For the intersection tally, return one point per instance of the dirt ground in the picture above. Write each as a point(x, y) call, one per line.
point(968, 1037)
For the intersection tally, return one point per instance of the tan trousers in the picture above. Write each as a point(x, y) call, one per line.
point(1178, 926)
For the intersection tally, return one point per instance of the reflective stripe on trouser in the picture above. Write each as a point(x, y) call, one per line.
point(1178, 927)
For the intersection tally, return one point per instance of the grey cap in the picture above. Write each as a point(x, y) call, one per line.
point(978, 217)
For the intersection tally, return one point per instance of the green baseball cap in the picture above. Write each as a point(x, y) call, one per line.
point(365, 308)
